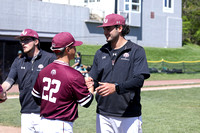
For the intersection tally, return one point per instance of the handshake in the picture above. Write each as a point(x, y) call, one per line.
point(102, 88)
point(3, 96)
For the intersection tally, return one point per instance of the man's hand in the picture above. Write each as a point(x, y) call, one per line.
point(90, 84)
point(3, 97)
point(105, 89)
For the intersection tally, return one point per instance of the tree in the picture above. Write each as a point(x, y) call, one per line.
point(191, 21)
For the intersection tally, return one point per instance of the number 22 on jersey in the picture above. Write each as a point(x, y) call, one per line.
point(49, 96)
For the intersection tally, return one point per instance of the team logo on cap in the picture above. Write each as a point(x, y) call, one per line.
point(105, 20)
point(117, 22)
point(24, 32)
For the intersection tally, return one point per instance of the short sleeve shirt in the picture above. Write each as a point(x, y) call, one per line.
point(61, 88)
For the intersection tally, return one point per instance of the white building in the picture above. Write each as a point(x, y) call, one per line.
point(153, 23)
point(158, 23)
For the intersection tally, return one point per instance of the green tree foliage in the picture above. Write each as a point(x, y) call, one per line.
point(191, 21)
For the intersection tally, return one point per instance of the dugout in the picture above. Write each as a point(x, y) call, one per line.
point(9, 48)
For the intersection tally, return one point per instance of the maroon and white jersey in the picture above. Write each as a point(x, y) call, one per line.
point(61, 88)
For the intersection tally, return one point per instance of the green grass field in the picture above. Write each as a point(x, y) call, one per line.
point(185, 53)
point(165, 76)
point(10, 113)
point(164, 111)
point(171, 111)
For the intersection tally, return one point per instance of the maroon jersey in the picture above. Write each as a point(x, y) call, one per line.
point(61, 88)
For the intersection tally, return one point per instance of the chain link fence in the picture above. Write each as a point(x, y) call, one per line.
point(161, 66)
point(174, 67)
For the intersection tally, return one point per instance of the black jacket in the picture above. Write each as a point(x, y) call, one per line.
point(129, 71)
point(25, 70)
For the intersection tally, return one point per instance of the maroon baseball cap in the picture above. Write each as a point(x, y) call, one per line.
point(28, 33)
point(63, 40)
point(113, 19)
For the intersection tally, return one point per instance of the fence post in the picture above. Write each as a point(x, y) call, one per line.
point(162, 65)
point(183, 67)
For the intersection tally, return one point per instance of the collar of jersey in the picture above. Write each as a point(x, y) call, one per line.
point(61, 62)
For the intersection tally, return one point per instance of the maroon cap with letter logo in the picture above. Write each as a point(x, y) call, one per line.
point(113, 19)
point(63, 40)
point(28, 33)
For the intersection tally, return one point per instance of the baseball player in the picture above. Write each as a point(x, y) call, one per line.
point(77, 60)
point(25, 69)
point(118, 73)
point(60, 88)
point(2, 95)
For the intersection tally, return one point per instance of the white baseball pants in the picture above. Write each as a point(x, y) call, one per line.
point(55, 126)
point(30, 123)
point(109, 124)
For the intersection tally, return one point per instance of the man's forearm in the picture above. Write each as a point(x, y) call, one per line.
point(6, 86)
point(134, 83)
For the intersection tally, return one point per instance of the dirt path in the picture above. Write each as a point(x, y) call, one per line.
point(170, 84)
point(7, 129)
point(148, 86)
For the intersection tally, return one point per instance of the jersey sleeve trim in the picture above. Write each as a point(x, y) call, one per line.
point(35, 93)
point(85, 100)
